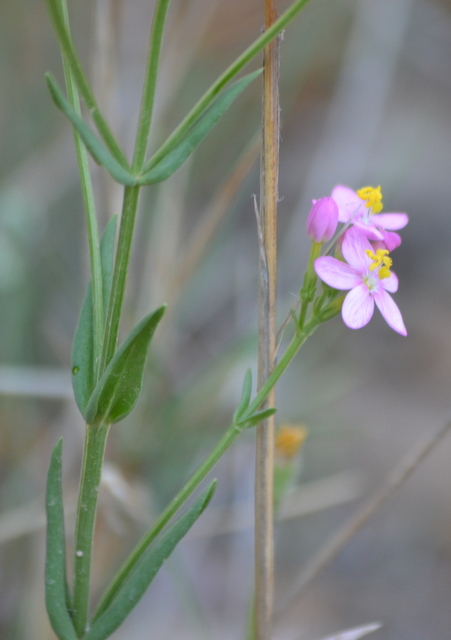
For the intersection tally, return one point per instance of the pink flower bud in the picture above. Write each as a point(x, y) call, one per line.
point(322, 220)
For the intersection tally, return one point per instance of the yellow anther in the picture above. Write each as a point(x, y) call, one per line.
point(372, 197)
point(289, 439)
point(380, 260)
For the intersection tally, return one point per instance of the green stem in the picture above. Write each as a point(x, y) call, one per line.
point(90, 209)
point(129, 208)
point(229, 437)
point(148, 95)
point(131, 194)
point(95, 442)
point(310, 278)
point(256, 47)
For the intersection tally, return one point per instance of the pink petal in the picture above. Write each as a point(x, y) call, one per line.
point(336, 274)
point(368, 229)
point(390, 283)
point(349, 203)
point(390, 311)
point(354, 248)
point(391, 240)
point(390, 220)
point(358, 307)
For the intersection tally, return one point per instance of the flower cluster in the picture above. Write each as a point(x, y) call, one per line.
point(365, 270)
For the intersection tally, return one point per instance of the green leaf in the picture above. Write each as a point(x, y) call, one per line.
point(177, 156)
point(118, 389)
point(95, 147)
point(256, 418)
point(56, 588)
point(136, 583)
point(245, 396)
point(83, 377)
point(62, 29)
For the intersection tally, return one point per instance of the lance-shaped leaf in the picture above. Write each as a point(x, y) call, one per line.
point(135, 585)
point(255, 418)
point(177, 156)
point(56, 589)
point(95, 147)
point(118, 389)
point(62, 29)
point(245, 396)
point(83, 378)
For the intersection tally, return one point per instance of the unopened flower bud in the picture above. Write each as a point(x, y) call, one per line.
point(322, 220)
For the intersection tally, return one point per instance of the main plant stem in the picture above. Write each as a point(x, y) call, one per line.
point(264, 467)
point(91, 472)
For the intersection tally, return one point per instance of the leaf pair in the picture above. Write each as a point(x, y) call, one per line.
point(240, 417)
point(173, 158)
point(113, 397)
point(136, 583)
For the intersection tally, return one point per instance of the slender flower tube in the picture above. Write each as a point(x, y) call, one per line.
point(362, 209)
point(368, 277)
point(322, 220)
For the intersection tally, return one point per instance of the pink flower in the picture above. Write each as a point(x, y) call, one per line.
point(322, 220)
point(362, 208)
point(368, 277)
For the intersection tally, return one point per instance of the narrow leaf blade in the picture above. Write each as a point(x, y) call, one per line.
point(83, 381)
point(118, 389)
point(245, 395)
point(177, 156)
point(98, 151)
point(136, 584)
point(256, 418)
point(55, 566)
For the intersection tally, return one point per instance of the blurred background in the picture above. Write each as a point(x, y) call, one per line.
point(365, 99)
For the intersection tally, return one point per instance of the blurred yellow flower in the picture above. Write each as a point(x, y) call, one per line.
point(289, 440)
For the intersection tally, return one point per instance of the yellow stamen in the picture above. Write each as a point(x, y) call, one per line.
point(380, 260)
point(372, 197)
point(289, 439)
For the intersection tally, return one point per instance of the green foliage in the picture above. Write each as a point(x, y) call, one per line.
point(245, 396)
point(118, 389)
point(57, 11)
point(95, 147)
point(56, 589)
point(255, 418)
point(83, 369)
point(177, 156)
point(136, 583)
